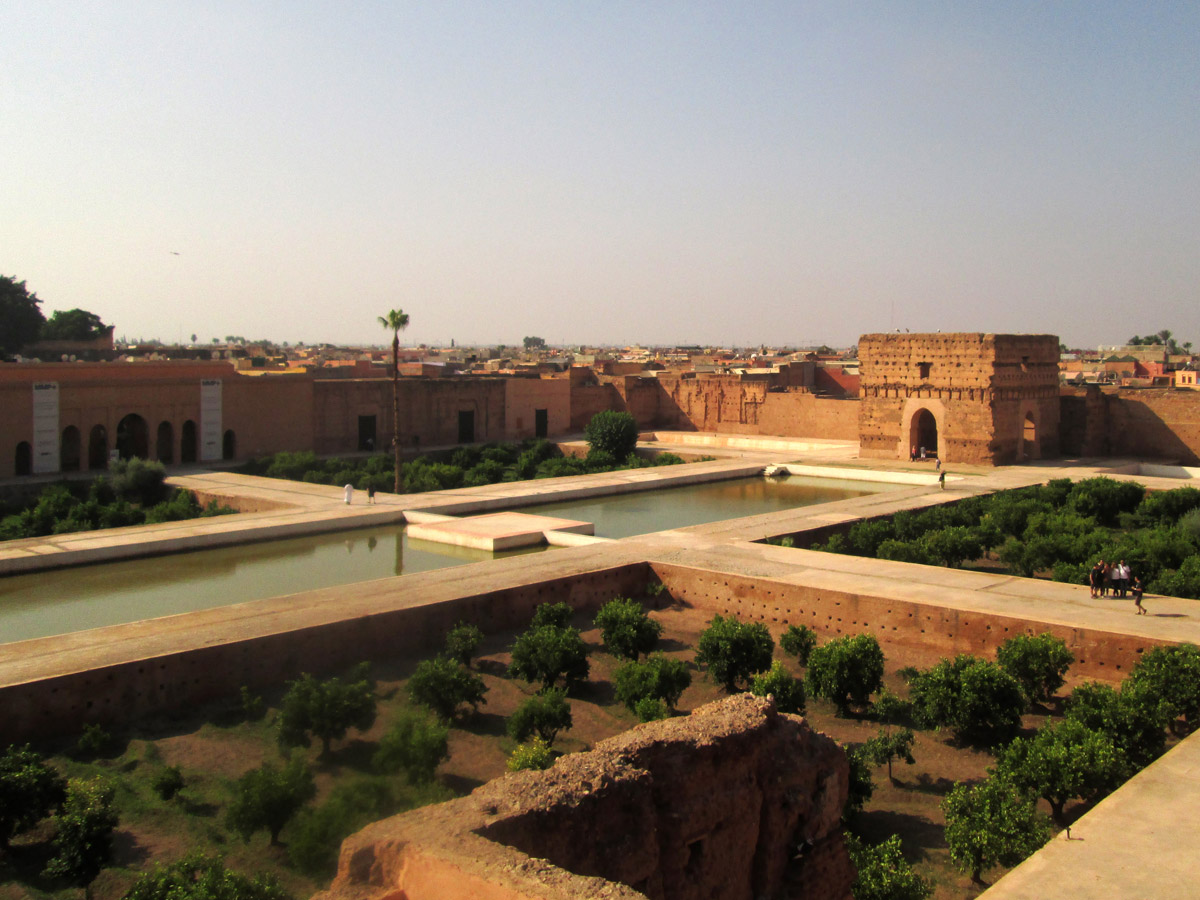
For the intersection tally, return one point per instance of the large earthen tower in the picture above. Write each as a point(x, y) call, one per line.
point(966, 398)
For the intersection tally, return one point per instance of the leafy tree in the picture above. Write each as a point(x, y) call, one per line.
point(656, 678)
point(1172, 675)
point(1038, 663)
point(444, 686)
point(534, 755)
point(549, 654)
point(534, 343)
point(73, 325)
point(1183, 582)
point(462, 641)
point(267, 797)
point(20, 318)
point(799, 641)
point(883, 872)
point(891, 709)
point(978, 699)
point(888, 746)
point(199, 877)
point(612, 432)
point(952, 546)
point(29, 791)
point(327, 709)
point(778, 682)
point(559, 615)
point(734, 651)
point(846, 670)
point(992, 823)
point(1105, 499)
point(861, 786)
point(650, 710)
point(83, 837)
point(168, 782)
point(395, 321)
point(1131, 719)
point(544, 714)
point(1064, 762)
point(414, 744)
point(626, 628)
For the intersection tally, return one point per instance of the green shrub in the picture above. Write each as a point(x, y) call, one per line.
point(168, 782)
point(992, 824)
point(1038, 663)
point(29, 791)
point(799, 641)
point(462, 641)
point(83, 834)
point(198, 877)
point(268, 797)
point(978, 699)
point(657, 678)
point(1170, 676)
point(549, 654)
point(626, 629)
point(846, 671)
point(534, 755)
point(649, 709)
point(734, 651)
point(445, 686)
point(777, 682)
point(326, 709)
point(612, 432)
point(544, 714)
point(558, 615)
point(94, 742)
point(414, 744)
point(883, 873)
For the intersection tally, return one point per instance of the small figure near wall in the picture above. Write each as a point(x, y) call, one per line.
point(349, 489)
point(1136, 590)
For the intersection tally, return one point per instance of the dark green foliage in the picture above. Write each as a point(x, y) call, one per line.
point(558, 615)
point(990, 824)
point(544, 714)
point(199, 877)
point(94, 742)
point(73, 325)
point(1170, 675)
point(21, 320)
point(891, 709)
point(1064, 762)
point(883, 873)
point(266, 798)
point(29, 791)
point(779, 683)
point(462, 641)
point(1167, 507)
point(326, 709)
point(952, 546)
point(626, 629)
point(657, 678)
point(414, 744)
point(1132, 719)
point(650, 710)
point(861, 785)
point(83, 834)
point(1038, 663)
point(888, 746)
point(978, 699)
point(168, 782)
point(904, 551)
point(251, 705)
point(550, 654)
point(846, 671)
point(445, 686)
point(734, 651)
point(798, 641)
point(1104, 499)
point(612, 432)
point(1182, 582)
point(137, 481)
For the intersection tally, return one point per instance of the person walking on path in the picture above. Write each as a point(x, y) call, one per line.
point(1136, 590)
point(371, 494)
point(349, 489)
point(942, 480)
point(1095, 577)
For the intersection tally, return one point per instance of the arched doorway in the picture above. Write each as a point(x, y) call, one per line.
point(923, 433)
point(133, 437)
point(98, 448)
point(1029, 438)
point(229, 445)
point(71, 450)
point(24, 460)
point(187, 442)
point(164, 446)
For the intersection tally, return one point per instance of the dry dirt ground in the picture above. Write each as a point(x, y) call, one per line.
point(212, 748)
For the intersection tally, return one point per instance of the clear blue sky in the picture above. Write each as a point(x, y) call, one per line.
point(605, 172)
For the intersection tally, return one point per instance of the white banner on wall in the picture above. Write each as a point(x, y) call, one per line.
point(45, 427)
point(210, 419)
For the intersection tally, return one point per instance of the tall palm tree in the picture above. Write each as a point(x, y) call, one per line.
point(395, 321)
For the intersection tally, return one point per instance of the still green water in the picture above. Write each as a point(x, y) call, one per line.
point(74, 599)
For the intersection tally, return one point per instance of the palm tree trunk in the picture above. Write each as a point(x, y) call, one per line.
point(396, 409)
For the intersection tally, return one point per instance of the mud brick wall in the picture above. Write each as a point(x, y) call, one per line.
point(1158, 423)
point(805, 415)
point(897, 623)
point(734, 802)
point(979, 387)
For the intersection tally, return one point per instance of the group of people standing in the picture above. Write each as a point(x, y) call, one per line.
point(1117, 579)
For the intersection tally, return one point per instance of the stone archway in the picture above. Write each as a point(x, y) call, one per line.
point(23, 464)
point(70, 450)
point(98, 448)
point(923, 434)
point(164, 446)
point(187, 442)
point(133, 437)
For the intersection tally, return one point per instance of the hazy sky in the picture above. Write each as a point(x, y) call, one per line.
point(605, 172)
